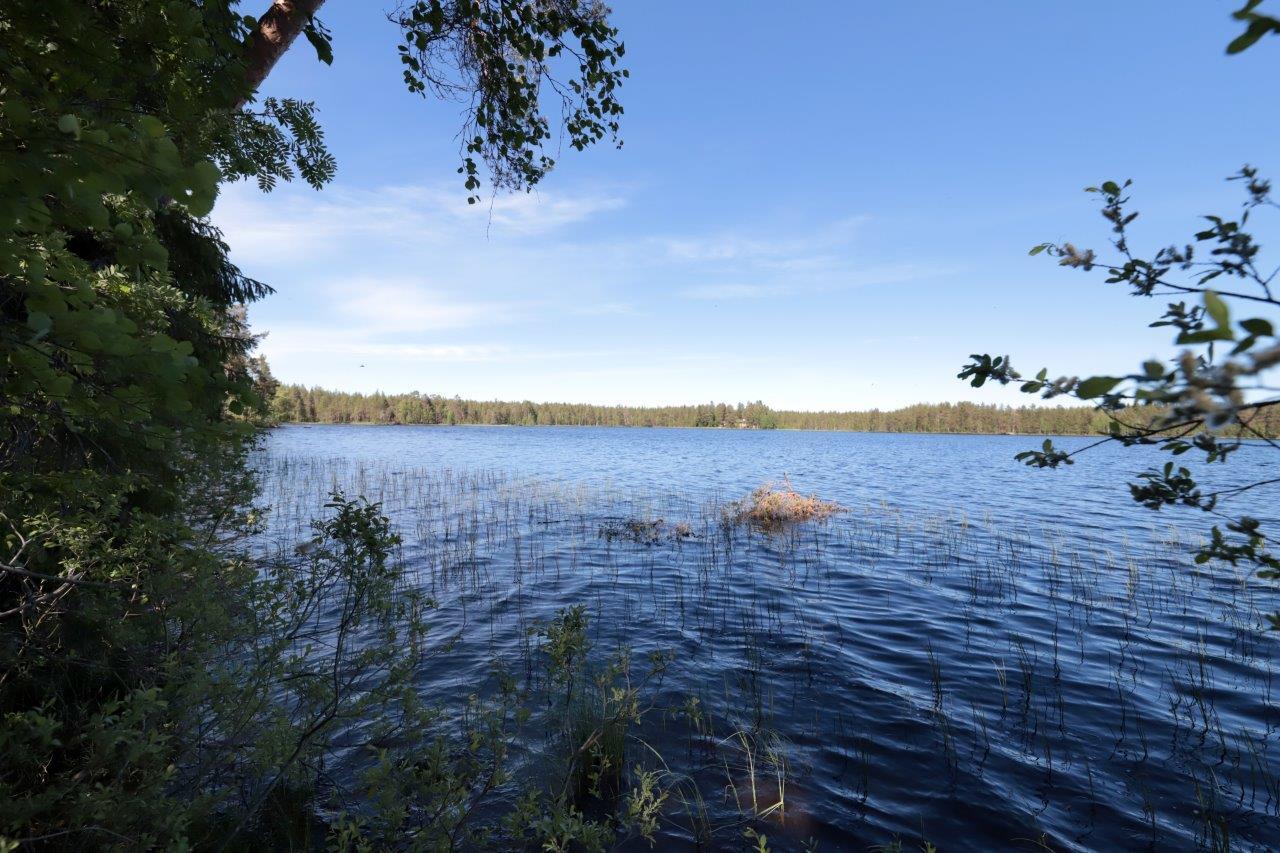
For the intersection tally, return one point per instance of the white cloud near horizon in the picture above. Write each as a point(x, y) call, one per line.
point(558, 295)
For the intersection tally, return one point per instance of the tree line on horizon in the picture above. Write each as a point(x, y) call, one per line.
point(299, 404)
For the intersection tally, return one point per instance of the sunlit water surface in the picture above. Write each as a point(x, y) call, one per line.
point(980, 654)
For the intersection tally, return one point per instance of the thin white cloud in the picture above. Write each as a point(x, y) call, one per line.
point(536, 213)
point(604, 309)
point(828, 278)
point(772, 248)
point(289, 341)
point(380, 306)
point(733, 291)
point(294, 223)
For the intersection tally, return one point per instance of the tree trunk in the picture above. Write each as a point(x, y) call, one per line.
point(276, 31)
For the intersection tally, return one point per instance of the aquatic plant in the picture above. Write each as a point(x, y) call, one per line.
point(1051, 624)
point(773, 506)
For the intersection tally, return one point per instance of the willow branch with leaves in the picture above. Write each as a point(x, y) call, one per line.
point(1207, 398)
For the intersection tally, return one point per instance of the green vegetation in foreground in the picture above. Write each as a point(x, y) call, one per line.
point(296, 404)
point(163, 686)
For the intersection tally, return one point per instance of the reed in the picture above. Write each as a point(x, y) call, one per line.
point(1047, 644)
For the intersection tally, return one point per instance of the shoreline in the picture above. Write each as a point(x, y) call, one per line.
point(699, 429)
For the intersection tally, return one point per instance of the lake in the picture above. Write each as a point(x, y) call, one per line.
point(976, 653)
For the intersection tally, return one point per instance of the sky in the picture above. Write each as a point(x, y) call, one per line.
point(825, 205)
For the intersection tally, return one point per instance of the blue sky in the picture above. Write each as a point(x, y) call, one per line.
point(821, 205)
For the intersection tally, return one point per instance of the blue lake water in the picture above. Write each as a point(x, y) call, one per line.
point(976, 653)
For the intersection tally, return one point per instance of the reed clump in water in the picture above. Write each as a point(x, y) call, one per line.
point(645, 531)
point(773, 506)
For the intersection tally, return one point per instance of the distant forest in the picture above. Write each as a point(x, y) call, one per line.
point(297, 404)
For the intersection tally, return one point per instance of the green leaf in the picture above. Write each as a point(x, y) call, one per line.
point(40, 323)
point(69, 125)
point(1216, 308)
point(1256, 30)
point(151, 126)
point(322, 44)
point(17, 111)
point(199, 201)
point(1244, 12)
point(1205, 336)
point(206, 174)
point(1096, 386)
point(1257, 326)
